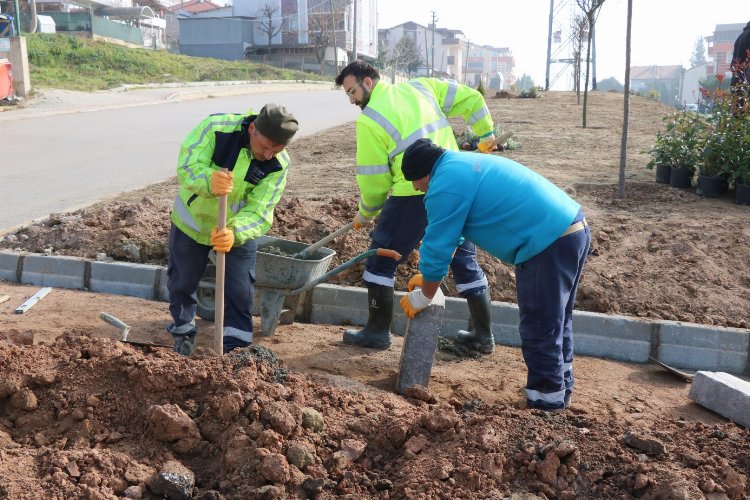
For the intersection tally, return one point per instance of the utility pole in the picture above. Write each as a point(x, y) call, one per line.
point(333, 37)
point(466, 62)
point(432, 62)
point(354, 34)
point(549, 43)
point(17, 17)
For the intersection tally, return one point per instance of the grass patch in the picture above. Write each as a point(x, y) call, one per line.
point(66, 62)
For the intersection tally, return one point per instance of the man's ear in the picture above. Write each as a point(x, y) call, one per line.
point(368, 83)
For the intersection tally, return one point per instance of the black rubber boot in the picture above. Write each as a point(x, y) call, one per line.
point(184, 344)
point(479, 337)
point(377, 333)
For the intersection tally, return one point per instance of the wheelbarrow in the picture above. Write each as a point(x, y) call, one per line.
point(281, 273)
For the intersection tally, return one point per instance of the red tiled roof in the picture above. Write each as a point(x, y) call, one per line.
point(195, 6)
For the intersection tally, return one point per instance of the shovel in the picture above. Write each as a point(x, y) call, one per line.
point(125, 330)
point(500, 140)
point(305, 253)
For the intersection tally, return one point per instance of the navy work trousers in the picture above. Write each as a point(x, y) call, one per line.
point(546, 286)
point(186, 264)
point(400, 227)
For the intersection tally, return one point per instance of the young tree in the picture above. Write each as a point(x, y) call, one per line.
point(405, 55)
point(269, 24)
point(610, 83)
point(525, 82)
point(699, 53)
point(591, 9)
point(579, 27)
point(324, 18)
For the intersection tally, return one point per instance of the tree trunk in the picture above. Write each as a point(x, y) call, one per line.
point(586, 84)
point(626, 105)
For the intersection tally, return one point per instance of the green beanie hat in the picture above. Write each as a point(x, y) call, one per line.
point(276, 123)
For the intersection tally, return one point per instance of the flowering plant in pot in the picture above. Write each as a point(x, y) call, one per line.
point(725, 146)
point(677, 147)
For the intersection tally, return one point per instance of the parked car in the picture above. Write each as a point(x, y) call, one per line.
point(6, 80)
point(691, 107)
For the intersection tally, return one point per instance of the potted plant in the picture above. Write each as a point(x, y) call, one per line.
point(661, 157)
point(675, 151)
point(719, 153)
point(686, 128)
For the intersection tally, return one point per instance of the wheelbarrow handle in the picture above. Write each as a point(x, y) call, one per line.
point(383, 252)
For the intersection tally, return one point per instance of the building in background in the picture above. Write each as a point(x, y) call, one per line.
point(721, 47)
point(661, 82)
point(454, 56)
point(135, 23)
point(299, 34)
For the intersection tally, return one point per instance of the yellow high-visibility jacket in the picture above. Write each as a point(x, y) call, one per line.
point(395, 117)
point(222, 141)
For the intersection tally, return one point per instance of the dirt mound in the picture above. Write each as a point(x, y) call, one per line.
point(89, 418)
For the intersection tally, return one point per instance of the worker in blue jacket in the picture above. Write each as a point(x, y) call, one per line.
point(522, 219)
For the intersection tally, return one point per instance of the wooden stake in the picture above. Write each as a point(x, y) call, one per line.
point(33, 300)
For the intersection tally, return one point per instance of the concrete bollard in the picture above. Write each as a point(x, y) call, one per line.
point(420, 344)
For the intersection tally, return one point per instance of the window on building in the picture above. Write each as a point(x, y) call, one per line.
point(451, 60)
point(292, 23)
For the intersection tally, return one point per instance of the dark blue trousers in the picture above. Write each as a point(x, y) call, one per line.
point(546, 285)
point(400, 227)
point(186, 264)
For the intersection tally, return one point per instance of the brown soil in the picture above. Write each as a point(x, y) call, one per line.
point(85, 416)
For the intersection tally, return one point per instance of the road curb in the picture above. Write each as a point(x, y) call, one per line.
point(683, 345)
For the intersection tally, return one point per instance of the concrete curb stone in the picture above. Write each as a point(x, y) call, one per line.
point(682, 345)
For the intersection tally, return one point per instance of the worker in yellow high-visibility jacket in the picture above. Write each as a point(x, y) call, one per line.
point(252, 148)
point(394, 117)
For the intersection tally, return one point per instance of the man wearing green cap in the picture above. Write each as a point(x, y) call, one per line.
point(251, 149)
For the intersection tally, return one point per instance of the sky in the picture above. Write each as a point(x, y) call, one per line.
point(664, 32)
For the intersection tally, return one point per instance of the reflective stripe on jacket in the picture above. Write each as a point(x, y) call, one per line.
point(222, 141)
point(395, 117)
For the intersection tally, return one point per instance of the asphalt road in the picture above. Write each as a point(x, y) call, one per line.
point(63, 162)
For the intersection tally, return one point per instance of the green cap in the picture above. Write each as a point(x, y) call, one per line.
point(276, 123)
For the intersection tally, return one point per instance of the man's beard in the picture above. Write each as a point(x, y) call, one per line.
point(365, 98)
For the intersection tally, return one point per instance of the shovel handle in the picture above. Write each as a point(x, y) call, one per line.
point(319, 244)
point(369, 253)
point(221, 223)
point(117, 323)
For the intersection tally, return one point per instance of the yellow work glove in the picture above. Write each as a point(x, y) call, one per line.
point(415, 281)
point(222, 239)
point(487, 144)
point(221, 182)
point(361, 221)
point(413, 302)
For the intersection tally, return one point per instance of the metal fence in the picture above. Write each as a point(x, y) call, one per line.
point(299, 62)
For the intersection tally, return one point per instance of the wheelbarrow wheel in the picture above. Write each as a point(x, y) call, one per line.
point(206, 295)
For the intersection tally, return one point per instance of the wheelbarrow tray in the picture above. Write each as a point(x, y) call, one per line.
point(276, 268)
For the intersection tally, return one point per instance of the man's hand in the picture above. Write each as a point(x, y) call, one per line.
point(222, 239)
point(415, 282)
point(361, 221)
point(414, 302)
point(221, 183)
point(487, 144)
